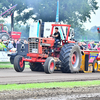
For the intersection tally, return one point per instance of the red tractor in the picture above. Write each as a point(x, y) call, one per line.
point(43, 55)
point(5, 35)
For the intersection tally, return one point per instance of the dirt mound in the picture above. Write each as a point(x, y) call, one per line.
point(50, 93)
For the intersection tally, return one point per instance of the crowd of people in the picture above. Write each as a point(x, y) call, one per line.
point(10, 44)
point(89, 45)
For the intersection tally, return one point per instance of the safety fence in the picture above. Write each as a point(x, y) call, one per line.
point(4, 56)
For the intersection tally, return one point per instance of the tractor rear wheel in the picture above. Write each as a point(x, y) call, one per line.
point(36, 66)
point(70, 57)
point(95, 65)
point(4, 36)
point(19, 64)
point(49, 65)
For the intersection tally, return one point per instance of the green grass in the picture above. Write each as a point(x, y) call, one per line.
point(9, 65)
point(6, 66)
point(49, 85)
point(4, 63)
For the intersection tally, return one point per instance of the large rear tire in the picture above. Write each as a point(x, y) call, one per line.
point(49, 65)
point(4, 36)
point(19, 64)
point(36, 67)
point(70, 57)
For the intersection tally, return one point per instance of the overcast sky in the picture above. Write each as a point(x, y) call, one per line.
point(95, 19)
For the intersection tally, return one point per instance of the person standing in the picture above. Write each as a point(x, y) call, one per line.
point(10, 45)
point(14, 44)
point(18, 42)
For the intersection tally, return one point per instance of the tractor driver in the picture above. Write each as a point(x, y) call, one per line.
point(57, 36)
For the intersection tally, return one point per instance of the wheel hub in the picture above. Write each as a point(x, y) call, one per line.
point(73, 60)
point(95, 66)
point(4, 37)
point(21, 63)
point(51, 66)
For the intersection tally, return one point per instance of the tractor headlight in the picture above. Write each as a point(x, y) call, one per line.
point(34, 50)
point(37, 40)
point(29, 39)
point(63, 41)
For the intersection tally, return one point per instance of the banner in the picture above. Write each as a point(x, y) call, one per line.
point(4, 56)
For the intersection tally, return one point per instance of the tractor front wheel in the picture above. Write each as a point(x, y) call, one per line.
point(19, 64)
point(49, 65)
point(95, 65)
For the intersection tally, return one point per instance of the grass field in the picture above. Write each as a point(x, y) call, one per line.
point(9, 65)
point(49, 85)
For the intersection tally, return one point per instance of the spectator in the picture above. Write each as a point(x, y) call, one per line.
point(93, 45)
point(84, 45)
point(96, 47)
point(25, 42)
point(15, 42)
point(18, 42)
point(2, 46)
point(80, 45)
point(90, 45)
point(10, 45)
point(8, 41)
point(99, 44)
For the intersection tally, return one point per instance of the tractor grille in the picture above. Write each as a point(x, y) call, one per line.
point(33, 47)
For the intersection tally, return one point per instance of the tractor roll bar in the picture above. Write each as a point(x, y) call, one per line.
point(61, 25)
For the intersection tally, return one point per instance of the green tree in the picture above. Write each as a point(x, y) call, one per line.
point(74, 12)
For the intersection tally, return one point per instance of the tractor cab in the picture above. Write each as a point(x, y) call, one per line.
point(43, 29)
point(66, 36)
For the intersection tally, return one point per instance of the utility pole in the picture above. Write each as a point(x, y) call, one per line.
point(57, 14)
point(12, 22)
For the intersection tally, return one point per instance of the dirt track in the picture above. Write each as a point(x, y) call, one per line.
point(9, 76)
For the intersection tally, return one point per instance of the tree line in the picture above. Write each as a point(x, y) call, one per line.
point(73, 12)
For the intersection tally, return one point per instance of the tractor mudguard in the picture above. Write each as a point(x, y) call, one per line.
point(13, 54)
